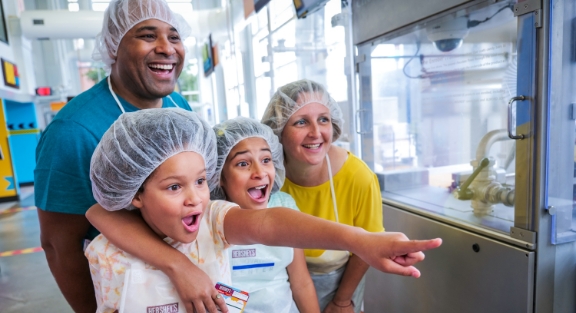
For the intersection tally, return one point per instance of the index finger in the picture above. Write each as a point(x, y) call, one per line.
point(405, 247)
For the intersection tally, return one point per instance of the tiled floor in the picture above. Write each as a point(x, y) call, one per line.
point(26, 284)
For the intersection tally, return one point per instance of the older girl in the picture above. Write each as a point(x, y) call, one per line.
point(250, 173)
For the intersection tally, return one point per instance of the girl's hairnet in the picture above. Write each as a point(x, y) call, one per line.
point(292, 97)
point(229, 134)
point(137, 143)
point(122, 15)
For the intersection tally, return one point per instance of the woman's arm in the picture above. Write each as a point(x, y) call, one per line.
point(129, 232)
point(301, 284)
point(387, 252)
point(342, 301)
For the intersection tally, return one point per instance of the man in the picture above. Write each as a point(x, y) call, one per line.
point(141, 42)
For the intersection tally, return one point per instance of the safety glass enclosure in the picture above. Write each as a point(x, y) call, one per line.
point(561, 149)
point(446, 115)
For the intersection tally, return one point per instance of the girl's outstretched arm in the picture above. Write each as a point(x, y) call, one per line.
point(301, 284)
point(388, 252)
point(128, 231)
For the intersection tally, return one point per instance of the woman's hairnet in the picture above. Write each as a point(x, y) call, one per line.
point(292, 97)
point(122, 15)
point(229, 134)
point(137, 143)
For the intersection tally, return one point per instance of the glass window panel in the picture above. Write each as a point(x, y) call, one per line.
point(439, 98)
point(280, 12)
point(561, 151)
point(73, 6)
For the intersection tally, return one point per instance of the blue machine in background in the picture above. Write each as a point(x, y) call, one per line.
point(23, 136)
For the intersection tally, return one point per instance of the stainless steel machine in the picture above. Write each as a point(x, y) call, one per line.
point(466, 114)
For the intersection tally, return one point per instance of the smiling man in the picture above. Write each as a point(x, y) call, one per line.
point(141, 44)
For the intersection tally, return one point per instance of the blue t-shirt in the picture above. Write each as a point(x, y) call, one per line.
point(62, 175)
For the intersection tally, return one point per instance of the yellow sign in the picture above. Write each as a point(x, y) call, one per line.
point(7, 181)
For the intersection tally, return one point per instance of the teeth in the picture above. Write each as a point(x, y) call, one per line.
point(312, 146)
point(162, 66)
point(260, 187)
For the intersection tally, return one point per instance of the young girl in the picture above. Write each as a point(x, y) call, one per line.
point(159, 161)
point(250, 173)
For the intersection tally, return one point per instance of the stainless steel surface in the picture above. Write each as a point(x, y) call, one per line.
point(555, 135)
point(510, 133)
point(468, 273)
point(437, 215)
point(523, 234)
point(372, 18)
point(365, 107)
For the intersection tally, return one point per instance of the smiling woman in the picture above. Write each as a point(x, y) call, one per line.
point(327, 182)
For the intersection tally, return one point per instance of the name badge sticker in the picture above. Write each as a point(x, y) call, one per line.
point(235, 299)
point(244, 253)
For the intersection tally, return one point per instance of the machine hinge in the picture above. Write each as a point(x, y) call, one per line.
point(523, 234)
point(538, 18)
point(573, 111)
point(527, 6)
point(357, 60)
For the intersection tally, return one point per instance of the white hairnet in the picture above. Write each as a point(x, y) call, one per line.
point(122, 15)
point(292, 97)
point(137, 143)
point(229, 134)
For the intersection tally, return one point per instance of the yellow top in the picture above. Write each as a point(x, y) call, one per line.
point(358, 198)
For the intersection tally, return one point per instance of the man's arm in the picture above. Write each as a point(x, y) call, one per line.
point(62, 238)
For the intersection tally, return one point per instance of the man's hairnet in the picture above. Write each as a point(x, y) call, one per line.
point(122, 15)
point(137, 143)
point(229, 134)
point(292, 97)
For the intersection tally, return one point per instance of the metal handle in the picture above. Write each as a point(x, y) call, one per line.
point(512, 136)
point(462, 192)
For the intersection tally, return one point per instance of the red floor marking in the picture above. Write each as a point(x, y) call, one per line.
point(21, 251)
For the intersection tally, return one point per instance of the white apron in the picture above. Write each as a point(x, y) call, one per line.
point(327, 269)
point(261, 270)
point(148, 288)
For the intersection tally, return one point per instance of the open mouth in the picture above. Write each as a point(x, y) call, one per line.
point(191, 222)
point(312, 146)
point(258, 193)
point(161, 68)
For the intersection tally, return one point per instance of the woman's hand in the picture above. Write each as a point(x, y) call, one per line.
point(392, 252)
point(332, 307)
point(196, 289)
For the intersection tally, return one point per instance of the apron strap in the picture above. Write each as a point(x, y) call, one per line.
point(332, 192)
point(118, 101)
point(114, 95)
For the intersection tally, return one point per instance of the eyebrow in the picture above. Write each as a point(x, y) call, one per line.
point(246, 151)
point(152, 28)
point(203, 171)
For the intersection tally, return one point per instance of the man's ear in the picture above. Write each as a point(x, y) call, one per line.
point(137, 200)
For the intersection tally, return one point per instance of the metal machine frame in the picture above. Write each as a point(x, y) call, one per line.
point(476, 270)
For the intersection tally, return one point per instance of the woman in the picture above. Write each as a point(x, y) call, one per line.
point(325, 181)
